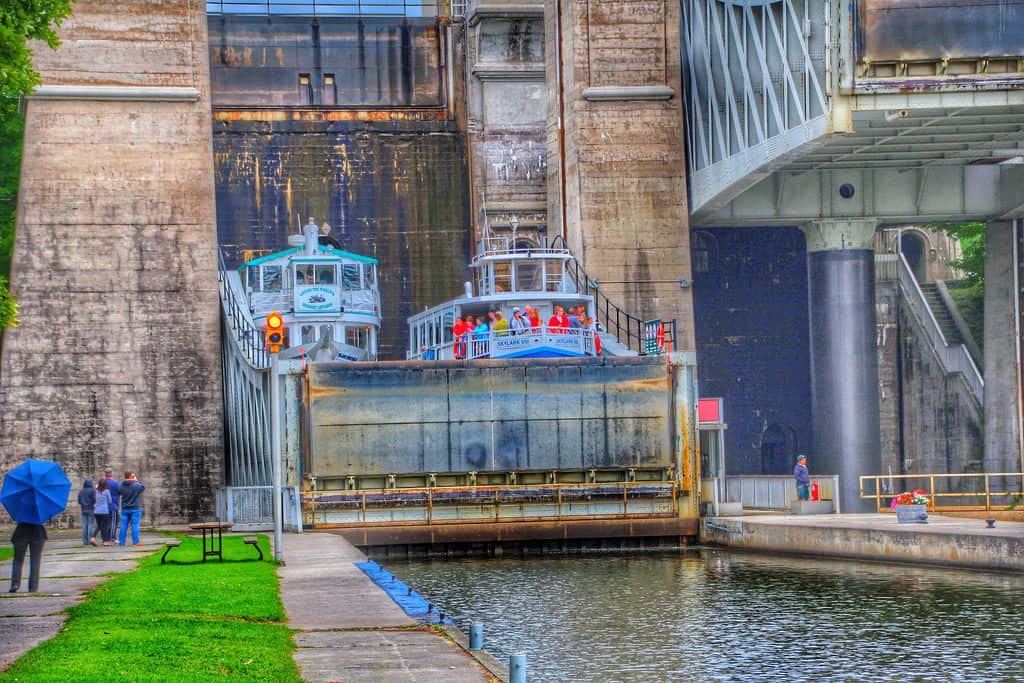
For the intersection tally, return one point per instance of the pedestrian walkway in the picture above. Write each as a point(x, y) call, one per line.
point(350, 630)
point(68, 572)
point(953, 541)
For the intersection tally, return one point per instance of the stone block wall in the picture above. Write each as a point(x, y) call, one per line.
point(116, 361)
point(616, 155)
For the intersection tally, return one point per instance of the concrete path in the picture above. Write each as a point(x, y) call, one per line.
point(351, 630)
point(953, 541)
point(69, 571)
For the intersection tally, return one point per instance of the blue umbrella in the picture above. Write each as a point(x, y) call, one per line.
point(35, 491)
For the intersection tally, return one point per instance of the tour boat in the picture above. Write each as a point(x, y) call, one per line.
point(508, 275)
point(328, 298)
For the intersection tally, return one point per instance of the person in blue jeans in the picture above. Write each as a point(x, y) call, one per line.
point(87, 501)
point(131, 507)
point(114, 487)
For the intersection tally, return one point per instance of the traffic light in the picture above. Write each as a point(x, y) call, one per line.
point(275, 332)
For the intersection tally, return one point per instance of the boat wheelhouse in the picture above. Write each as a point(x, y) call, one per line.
point(508, 275)
point(327, 296)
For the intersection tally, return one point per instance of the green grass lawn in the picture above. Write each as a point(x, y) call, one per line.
point(6, 553)
point(179, 622)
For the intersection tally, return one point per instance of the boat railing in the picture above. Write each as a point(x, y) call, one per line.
point(628, 329)
point(574, 341)
point(503, 246)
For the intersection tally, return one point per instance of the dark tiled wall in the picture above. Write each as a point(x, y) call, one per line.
point(750, 306)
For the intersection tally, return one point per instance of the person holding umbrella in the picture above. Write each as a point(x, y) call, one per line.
point(32, 493)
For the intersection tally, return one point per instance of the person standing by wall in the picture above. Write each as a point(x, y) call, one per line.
point(803, 478)
point(115, 500)
point(131, 507)
point(103, 512)
point(87, 502)
point(27, 537)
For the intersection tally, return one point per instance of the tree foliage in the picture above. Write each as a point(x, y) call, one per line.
point(972, 248)
point(21, 21)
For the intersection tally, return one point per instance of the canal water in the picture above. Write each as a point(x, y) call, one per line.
point(711, 615)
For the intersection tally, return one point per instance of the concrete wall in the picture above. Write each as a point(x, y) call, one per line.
point(930, 421)
point(507, 105)
point(616, 145)
point(116, 359)
point(534, 414)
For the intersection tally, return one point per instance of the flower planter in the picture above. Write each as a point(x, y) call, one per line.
point(912, 514)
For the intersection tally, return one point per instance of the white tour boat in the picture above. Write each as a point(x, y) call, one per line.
point(328, 298)
point(508, 275)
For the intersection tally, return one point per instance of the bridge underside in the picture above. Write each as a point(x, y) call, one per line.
point(902, 164)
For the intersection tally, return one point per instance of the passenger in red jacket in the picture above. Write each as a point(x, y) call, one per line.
point(459, 329)
point(558, 321)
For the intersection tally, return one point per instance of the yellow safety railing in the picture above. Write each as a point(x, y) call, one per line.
point(948, 492)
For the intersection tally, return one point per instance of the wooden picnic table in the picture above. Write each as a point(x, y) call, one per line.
point(214, 549)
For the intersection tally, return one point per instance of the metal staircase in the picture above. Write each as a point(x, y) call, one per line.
point(934, 318)
point(245, 368)
point(623, 334)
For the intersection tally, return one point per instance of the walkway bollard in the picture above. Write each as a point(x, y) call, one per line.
point(517, 668)
point(476, 636)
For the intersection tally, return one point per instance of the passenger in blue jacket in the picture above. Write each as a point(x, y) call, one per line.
point(803, 478)
point(131, 507)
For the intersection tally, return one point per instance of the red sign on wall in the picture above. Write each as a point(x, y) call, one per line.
point(709, 410)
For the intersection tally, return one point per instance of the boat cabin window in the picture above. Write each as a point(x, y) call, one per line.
point(327, 331)
point(271, 278)
point(529, 277)
point(357, 336)
point(502, 276)
point(553, 278)
point(350, 276)
point(308, 334)
point(304, 274)
point(324, 274)
point(370, 273)
point(446, 327)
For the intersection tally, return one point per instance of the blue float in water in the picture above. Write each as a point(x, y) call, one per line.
point(411, 602)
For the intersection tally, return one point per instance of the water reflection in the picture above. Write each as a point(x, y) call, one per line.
point(713, 615)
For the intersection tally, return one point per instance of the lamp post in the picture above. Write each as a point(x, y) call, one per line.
point(275, 453)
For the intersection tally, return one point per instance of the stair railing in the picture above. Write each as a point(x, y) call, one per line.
point(628, 329)
point(954, 358)
point(247, 337)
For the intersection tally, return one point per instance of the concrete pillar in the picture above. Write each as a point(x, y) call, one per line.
point(117, 359)
point(844, 362)
point(1001, 371)
point(616, 163)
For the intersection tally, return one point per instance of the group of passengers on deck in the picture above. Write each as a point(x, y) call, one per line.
point(479, 328)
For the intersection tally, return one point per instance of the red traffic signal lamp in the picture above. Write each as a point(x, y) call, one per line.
point(275, 332)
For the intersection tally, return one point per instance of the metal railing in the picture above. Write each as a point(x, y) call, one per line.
point(970, 491)
point(768, 492)
point(954, 358)
point(323, 8)
point(247, 337)
point(628, 329)
point(477, 504)
point(251, 508)
point(505, 345)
